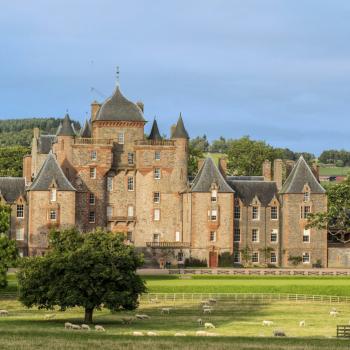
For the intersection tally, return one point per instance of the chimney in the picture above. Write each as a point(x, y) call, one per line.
point(278, 172)
point(223, 166)
point(316, 170)
point(95, 106)
point(266, 170)
point(289, 166)
point(172, 130)
point(200, 163)
point(140, 105)
point(36, 133)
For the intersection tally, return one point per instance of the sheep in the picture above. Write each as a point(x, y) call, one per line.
point(206, 306)
point(154, 301)
point(208, 325)
point(75, 326)
point(85, 327)
point(212, 301)
point(127, 320)
point(165, 310)
point(152, 334)
point(207, 311)
point(180, 335)
point(267, 323)
point(137, 334)
point(333, 313)
point(4, 313)
point(200, 322)
point(204, 302)
point(142, 317)
point(49, 316)
point(302, 323)
point(68, 325)
point(201, 333)
point(99, 328)
point(279, 333)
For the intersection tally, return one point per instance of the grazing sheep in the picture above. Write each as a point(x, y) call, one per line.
point(99, 328)
point(208, 325)
point(49, 316)
point(212, 301)
point(68, 325)
point(267, 323)
point(206, 306)
point(152, 334)
point(165, 310)
point(180, 335)
point(207, 311)
point(302, 323)
point(85, 327)
point(75, 326)
point(154, 301)
point(4, 313)
point(204, 302)
point(127, 320)
point(333, 313)
point(200, 322)
point(201, 333)
point(279, 333)
point(142, 317)
point(137, 334)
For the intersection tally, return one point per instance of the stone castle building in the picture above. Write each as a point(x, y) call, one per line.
point(111, 175)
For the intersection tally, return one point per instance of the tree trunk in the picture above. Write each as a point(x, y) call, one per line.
point(88, 315)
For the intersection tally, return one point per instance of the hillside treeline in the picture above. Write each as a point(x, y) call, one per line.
point(335, 157)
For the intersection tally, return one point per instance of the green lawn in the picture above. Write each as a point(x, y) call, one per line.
point(329, 171)
point(215, 156)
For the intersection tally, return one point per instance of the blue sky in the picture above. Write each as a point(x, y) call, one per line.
point(277, 70)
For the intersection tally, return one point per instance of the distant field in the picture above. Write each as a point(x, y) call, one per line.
point(325, 171)
point(214, 156)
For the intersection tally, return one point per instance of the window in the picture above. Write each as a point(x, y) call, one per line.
point(214, 196)
point(20, 211)
point(53, 195)
point(91, 199)
point(306, 196)
point(20, 252)
point(273, 258)
point(20, 234)
point(156, 237)
point(306, 258)
point(156, 197)
point(255, 235)
point(255, 213)
point(53, 215)
point(237, 235)
point(109, 183)
point(156, 215)
point(212, 237)
point(180, 257)
point(237, 212)
point(274, 236)
point(121, 138)
point(91, 217)
point(157, 173)
point(213, 215)
point(236, 257)
point(93, 155)
point(255, 257)
point(131, 158)
point(130, 183)
point(157, 155)
point(92, 173)
point(109, 211)
point(177, 236)
point(129, 236)
point(130, 211)
point(305, 211)
point(306, 236)
point(274, 213)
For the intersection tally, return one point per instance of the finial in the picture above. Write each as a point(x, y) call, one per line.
point(117, 76)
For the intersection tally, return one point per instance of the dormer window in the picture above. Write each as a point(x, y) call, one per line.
point(20, 211)
point(214, 196)
point(53, 195)
point(306, 196)
point(255, 212)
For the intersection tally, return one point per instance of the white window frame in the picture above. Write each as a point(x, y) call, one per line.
point(255, 230)
point(177, 236)
point(109, 183)
point(53, 195)
point(307, 233)
point(131, 158)
point(129, 236)
point(307, 196)
point(157, 173)
point(156, 237)
point(92, 198)
point(93, 173)
point(131, 183)
point(20, 234)
point(121, 138)
point(93, 155)
point(212, 236)
point(275, 256)
point(303, 212)
point(257, 213)
point(257, 254)
point(234, 234)
point(237, 212)
point(156, 214)
point(157, 155)
point(274, 231)
point(53, 215)
point(236, 257)
point(214, 196)
point(276, 218)
point(20, 211)
point(309, 260)
point(156, 197)
point(92, 221)
point(213, 214)
point(131, 213)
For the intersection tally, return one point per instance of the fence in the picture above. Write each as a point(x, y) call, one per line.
point(343, 331)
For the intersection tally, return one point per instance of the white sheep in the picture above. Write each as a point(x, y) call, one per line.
point(204, 302)
point(208, 325)
point(99, 328)
point(302, 323)
point(267, 323)
point(200, 322)
point(142, 317)
point(75, 326)
point(201, 333)
point(68, 325)
point(49, 316)
point(206, 306)
point(137, 334)
point(180, 335)
point(207, 311)
point(4, 313)
point(166, 310)
point(85, 327)
point(152, 334)
point(333, 313)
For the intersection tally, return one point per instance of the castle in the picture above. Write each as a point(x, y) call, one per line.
point(111, 175)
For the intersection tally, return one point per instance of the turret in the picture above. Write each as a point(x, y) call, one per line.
point(155, 134)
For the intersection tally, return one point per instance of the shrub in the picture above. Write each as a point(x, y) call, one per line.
point(193, 262)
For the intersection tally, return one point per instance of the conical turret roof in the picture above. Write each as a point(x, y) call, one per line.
point(66, 129)
point(154, 134)
point(86, 130)
point(180, 131)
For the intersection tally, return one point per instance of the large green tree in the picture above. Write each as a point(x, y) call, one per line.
point(82, 269)
point(194, 154)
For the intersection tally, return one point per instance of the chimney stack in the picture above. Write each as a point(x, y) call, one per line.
point(95, 106)
point(278, 172)
point(266, 170)
point(316, 170)
point(36, 133)
point(289, 166)
point(140, 105)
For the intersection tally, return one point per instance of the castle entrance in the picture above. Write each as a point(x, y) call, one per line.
point(213, 259)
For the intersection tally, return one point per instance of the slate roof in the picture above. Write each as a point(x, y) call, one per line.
point(208, 174)
point(118, 108)
point(45, 142)
point(49, 172)
point(86, 130)
point(59, 128)
point(66, 129)
point(246, 178)
point(247, 190)
point(154, 134)
point(180, 131)
point(301, 175)
point(12, 187)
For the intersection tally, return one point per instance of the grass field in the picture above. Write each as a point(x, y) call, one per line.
point(328, 171)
